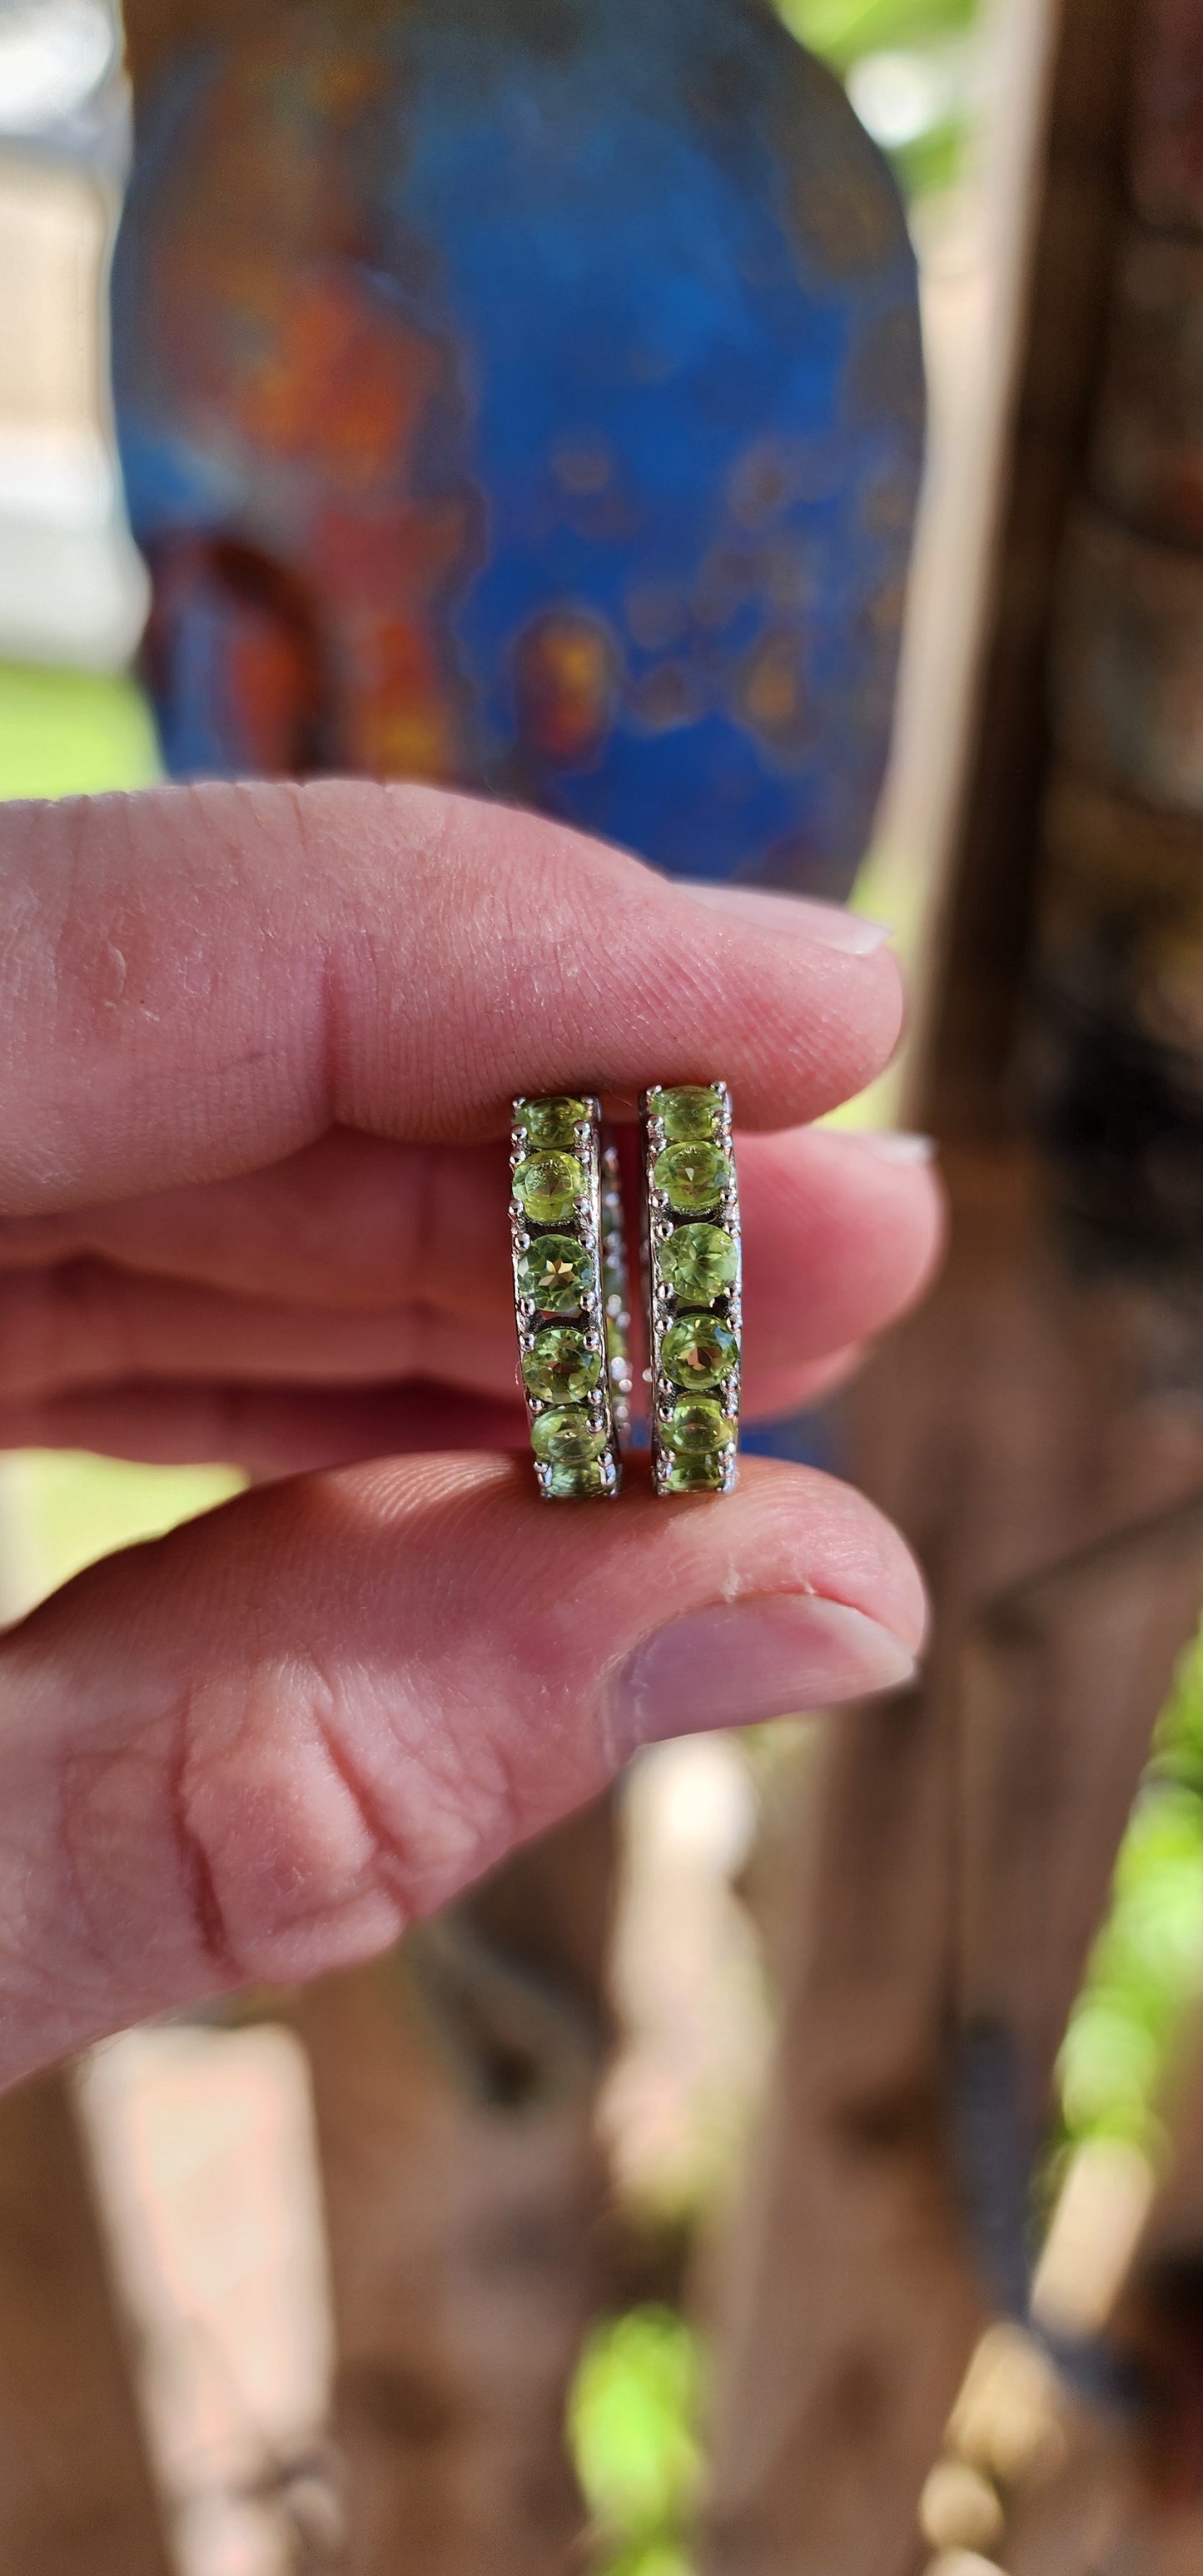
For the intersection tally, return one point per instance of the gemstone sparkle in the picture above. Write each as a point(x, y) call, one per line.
point(566, 1437)
point(552, 1121)
point(575, 1484)
point(688, 1112)
point(548, 1186)
point(697, 1424)
point(699, 1351)
point(560, 1368)
point(696, 1475)
point(691, 1176)
point(555, 1273)
point(699, 1262)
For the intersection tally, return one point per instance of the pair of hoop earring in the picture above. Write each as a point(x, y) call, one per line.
point(572, 1291)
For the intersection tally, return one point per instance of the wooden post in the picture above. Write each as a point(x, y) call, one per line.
point(962, 1843)
point(455, 2093)
point(76, 2497)
point(1128, 2492)
point(955, 1871)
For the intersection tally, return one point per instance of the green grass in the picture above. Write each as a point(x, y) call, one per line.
point(72, 733)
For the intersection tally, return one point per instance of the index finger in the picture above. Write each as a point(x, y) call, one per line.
point(195, 982)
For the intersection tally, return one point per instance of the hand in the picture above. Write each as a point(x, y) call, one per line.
point(257, 1046)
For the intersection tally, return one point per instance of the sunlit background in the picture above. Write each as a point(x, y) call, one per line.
point(201, 2136)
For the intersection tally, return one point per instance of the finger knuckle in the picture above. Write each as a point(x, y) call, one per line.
point(292, 1868)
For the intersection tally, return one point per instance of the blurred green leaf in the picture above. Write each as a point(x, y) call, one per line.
point(843, 31)
point(72, 733)
point(1147, 1965)
point(902, 33)
point(633, 2424)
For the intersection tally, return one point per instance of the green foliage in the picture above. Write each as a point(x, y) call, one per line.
point(1147, 1965)
point(72, 733)
point(843, 31)
point(633, 2425)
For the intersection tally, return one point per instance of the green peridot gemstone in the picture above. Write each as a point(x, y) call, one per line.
point(551, 1122)
point(689, 1112)
point(555, 1273)
point(697, 1424)
point(548, 1186)
point(692, 1176)
point(699, 1262)
point(699, 1351)
point(560, 1368)
point(700, 1475)
point(575, 1484)
point(566, 1437)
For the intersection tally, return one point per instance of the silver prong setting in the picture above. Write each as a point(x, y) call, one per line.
point(692, 1255)
point(564, 1360)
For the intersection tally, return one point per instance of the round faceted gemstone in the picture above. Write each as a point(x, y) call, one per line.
point(560, 1368)
point(548, 1186)
point(575, 1484)
point(699, 1351)
point(692, 1176)
point(555, 1273)
point(697, 1424)
point(699, 1262)
point(551, 1122)
point(566, 1437)
point(691, 1474)
point(688, 1113)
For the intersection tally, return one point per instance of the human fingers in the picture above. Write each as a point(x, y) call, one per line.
point(87, 1323)
point(840, 1235)
point(258, 1747)
point(268, 1430)
point(289, 1430)
point(195, 982)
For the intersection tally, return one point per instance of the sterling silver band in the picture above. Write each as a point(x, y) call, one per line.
point(616, 1290)
point(692, 1277)
point(570, 1295)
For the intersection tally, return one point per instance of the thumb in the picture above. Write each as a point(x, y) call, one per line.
point(258, 1747)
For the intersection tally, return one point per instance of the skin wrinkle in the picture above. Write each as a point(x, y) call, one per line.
point(23, 1955)
point(74, 1312)
point(291, 1704)
point(392, 1869)
point(82, 1326)
point(201, 1899)
point(81, 1775)
point(469, 1814)
point(281, 1431)
point(36, 959)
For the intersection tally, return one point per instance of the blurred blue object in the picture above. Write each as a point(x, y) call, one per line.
point(527, 397)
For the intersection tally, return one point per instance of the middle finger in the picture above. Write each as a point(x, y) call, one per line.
point(358, 1258)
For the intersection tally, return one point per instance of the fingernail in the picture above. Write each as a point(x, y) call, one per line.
point(894, 1145)
point(746, 1660)
point(798, 916)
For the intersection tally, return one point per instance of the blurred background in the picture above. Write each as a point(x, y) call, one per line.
point(202, 2138)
